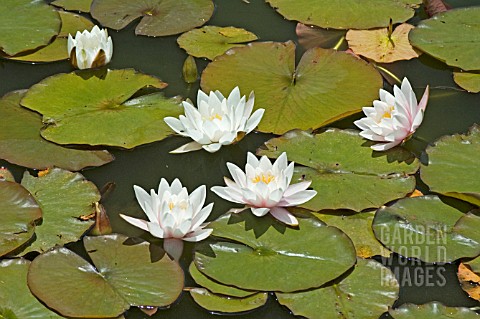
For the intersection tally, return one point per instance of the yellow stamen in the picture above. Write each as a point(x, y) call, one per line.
point(263, 178)
point(388, 114)
point(171, 205)
point(215, 116)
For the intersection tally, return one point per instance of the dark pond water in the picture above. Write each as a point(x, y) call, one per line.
point(450, 110)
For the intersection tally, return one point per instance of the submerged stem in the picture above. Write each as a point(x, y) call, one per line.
point(388, 72)
point(339, 43)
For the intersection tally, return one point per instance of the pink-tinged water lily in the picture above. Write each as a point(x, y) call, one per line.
point(173, 215)
point(90, 49)
point(217, 121)
point(394, 118)
point(265, 188)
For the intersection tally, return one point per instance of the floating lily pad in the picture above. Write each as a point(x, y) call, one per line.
point(346, 14)
point(375, 44)
point(432, 310)
point(18, 212)
point(474, 264)
point(367, 292)
point(216, 287)
point(218, 303)
point(452, 167)
point(73, 5)
point(344, 170)
point(21, 143)
point(310, 36)
point(325, 86)
point(125, 274)
point(212, 41)
point(269, 256)
point(57, 50)
point(16, 300)
point(159, 18)
point(469, 281)
point(359, 228)
point(27, 25)
point(451, 36)
point(428, 229)
point(91, 108)
point(64, 197)
point(468, 80)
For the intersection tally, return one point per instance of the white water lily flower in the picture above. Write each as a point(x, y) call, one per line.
point(90, 49)
point(265, 188)
point(173, 215)
point(394, 118)
point(217, 121)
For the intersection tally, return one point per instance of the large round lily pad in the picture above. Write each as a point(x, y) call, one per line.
point(16, 300)
point(18, 213)
point(223, 304)
point(27, 25)
point(452, 167)
point(21, 143)
point(451, 36)
point(469, 81)
point(269, 256)
point(344, 170)
point(92, 107)
point(64, 198)
point(325, 86)
point(212, 41)
point(432, 310)
point(124, 274)
point(428, 229)
point(367, 292)
point(159, 17)
point(346, 14)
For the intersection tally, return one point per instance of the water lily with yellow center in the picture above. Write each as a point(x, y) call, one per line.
point(265, 188)
point(90, 49)
point(393, 119)
point(173, 215)
point(218, 120)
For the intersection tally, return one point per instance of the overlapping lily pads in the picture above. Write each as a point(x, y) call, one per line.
point(470, 81)
point(268, 256)
point(223, 304)
point(18, 213)
point(452, 167)
point(92, 107)
point(21, 143)
point(366, 292)
point(428, 229)
point(212, 41)
point(26, 25)
point(159, 18)
point(63, 197)
point(451, 36)
point(74, 5)
point(432, 310)
point(325, 86)
point(346, 14)
point(124, 274)
point(344, 170)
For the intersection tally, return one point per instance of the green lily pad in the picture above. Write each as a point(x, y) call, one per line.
point(432, 310)
point(93, 108)
point(359, 228)
point(344, 170)
point(216, 287)
point(452, 167)
point(26, 25)
point(57, 50)
point(21, 143)
point(16, 300)
point(468, 80)
point(268, 256)
point(451, 36)
point(346, 14)
point(367, 292)
point(73, 5)
point(474, 264)
point(325, 86)
point(64, 197)
point(18, 213)
point(125, 274)
point(217, 303)
point(159, 18)
point(425, 228)
point(212, 41)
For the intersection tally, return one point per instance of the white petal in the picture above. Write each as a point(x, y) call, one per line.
point(140, 223)
point(254, 120)
point(173, 247)
point(156, 230)
point(192, 146)
point(237, 174)
point(175, 124)
point(201, 217)
point(284, 216)
point(295, 188)
point(260, 211)
point(297, 198)
point(141, 195)
point(226, 193)
point(384, 146)
point(212, 148)
point(198, 235)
